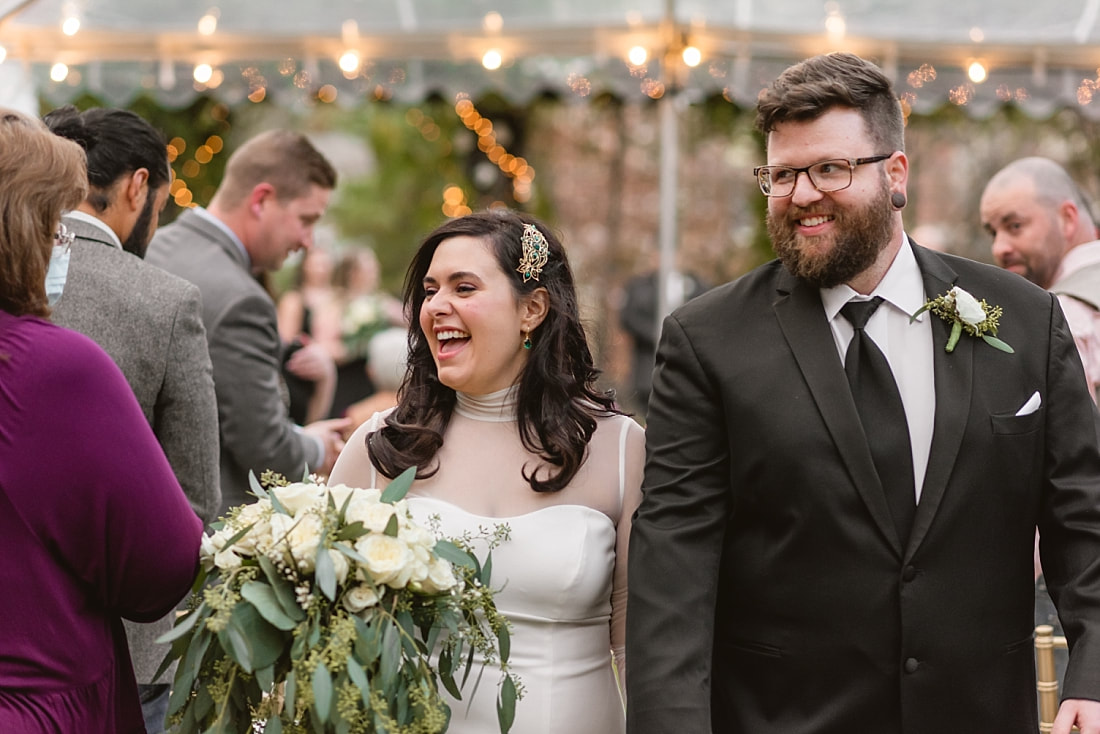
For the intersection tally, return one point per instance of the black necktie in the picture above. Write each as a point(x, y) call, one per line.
point(883, 416)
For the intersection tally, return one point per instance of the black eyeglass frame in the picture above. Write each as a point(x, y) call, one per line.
point(852, 163)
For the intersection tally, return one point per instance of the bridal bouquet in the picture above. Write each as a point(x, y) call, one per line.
point(328, 609)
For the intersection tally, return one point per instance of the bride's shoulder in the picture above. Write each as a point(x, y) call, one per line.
point(619, 424)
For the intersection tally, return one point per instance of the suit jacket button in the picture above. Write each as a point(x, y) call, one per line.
point(911, 665)
point(908, 574)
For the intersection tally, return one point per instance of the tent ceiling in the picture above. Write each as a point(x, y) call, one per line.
point(1041, 55)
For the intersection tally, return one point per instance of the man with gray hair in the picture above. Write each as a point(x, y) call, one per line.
point(1043, 229)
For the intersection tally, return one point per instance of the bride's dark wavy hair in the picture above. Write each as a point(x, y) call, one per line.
point(557, 403)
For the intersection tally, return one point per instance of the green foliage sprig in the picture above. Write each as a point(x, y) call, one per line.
point(966, 314)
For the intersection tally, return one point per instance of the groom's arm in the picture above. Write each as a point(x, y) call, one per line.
point(676, 546)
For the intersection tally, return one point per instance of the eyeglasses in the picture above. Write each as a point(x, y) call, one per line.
point(834, 174)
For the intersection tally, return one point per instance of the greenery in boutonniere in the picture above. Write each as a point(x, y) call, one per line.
point(966, 313)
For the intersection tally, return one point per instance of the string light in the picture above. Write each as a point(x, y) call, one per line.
point(492, 22)
point(637, 56)
point(208, 23)
point(3, 53)
point(349, 63)
point(492, 59)
point(976, 71)
point(518, 169)
point(70, 25)
point(692, 56)
point(59, 71)
point(203, 73)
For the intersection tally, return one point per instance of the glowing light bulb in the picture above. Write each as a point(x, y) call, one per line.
point(203, 72)
point(349, 62)
point(637, 56)
point(492, 22)
point(492, 59)
point(3, 54)
point(70, 25)
point(58, 72)
point(208, 24)
point(692, 56)
point(976, 71)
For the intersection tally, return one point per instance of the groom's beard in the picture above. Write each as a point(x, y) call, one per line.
point(138, 241)
point(860, 235)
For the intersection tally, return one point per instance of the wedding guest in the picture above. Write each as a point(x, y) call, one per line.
point(839, 502)
point(364, 310)
point(94, 524)
point(276, 188)
point(148, 321)
point(1043, 229)
point(501, 417)
point(309, 325)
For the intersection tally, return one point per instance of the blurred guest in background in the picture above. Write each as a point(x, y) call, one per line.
point(94, 524)
point(276, 188)
point(148, 321)
point(309, 326)
point(1043, 229)
point(364, 311)
point(638, 317)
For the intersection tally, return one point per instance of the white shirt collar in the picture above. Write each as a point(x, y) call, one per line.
point(98, 224)
point(202, 212)
point(902, 286)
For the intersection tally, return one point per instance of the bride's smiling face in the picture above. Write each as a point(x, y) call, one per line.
point(472, 318)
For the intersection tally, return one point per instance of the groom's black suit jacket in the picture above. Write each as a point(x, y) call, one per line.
point(769, 593)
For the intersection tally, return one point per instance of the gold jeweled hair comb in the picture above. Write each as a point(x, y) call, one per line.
point(535, 251)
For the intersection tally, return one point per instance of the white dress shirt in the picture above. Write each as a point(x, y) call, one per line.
point(907, 346)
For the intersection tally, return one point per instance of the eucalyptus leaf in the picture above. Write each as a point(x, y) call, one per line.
point(391, 653)
point(284, 590)
point(290, 693)
point(236, 647)
point(504, 641)
point(325, 572)
point(255, 486)
point(408, 630)
point(998, 344)
point(265, 678)
point(448, 551)
point(399, 487)
point(204, 703)
point(353, 531)
point(358, 676)
point(506, 705)
point(350, 553)
point(487, 569)
point(391, 526)
point(274, 725)
point(263, 597)
point(262, 643)
point(322, 692)
point(919, 311)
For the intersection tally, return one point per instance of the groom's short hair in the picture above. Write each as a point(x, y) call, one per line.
point(810, 88)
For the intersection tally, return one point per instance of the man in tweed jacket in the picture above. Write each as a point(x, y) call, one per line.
point(148, 321)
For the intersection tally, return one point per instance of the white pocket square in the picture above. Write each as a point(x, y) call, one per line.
point(1031, 405)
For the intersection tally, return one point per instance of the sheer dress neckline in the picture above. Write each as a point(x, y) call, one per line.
point(494, 407)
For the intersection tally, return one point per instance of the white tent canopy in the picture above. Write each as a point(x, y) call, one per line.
point(1039, 55)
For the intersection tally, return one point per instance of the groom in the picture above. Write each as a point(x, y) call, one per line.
point(821, 549)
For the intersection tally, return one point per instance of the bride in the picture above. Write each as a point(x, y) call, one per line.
point(499, 413)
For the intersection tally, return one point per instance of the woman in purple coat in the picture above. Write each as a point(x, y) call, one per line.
point(93, 525)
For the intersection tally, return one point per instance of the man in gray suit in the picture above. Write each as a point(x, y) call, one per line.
point(276, 187)
point(147, 320)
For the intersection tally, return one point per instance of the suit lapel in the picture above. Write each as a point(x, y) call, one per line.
point(954, 379)
point(802, 320)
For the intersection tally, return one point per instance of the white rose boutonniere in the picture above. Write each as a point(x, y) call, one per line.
point(966, 313)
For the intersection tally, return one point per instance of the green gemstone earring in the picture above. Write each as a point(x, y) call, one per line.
point(526, 340)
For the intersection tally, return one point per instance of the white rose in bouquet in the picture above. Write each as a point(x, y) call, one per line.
point(299, 495)
point(359, 597)
point(388, 560)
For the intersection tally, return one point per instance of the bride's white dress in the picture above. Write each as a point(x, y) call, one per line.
point(554, 581)
point(561, 577)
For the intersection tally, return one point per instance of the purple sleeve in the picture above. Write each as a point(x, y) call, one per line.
point(94, 484)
